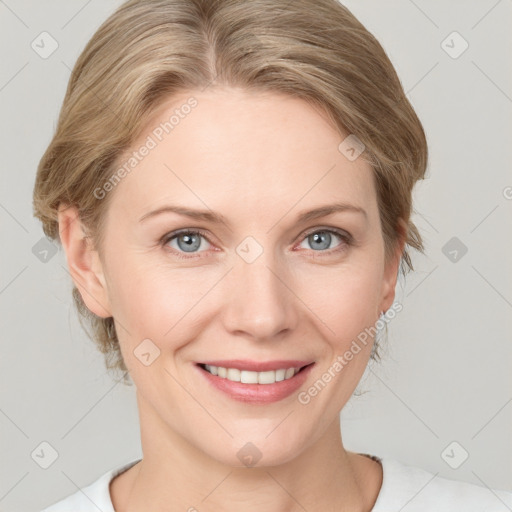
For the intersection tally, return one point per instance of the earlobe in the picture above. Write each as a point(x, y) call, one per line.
point(83, 262)
point(391, 275)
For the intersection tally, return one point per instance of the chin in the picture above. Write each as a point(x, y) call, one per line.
point(259, 451)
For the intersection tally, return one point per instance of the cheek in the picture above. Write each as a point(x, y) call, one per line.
point(345, 299)
point(155, 302)
point(140, 301)
point(351, 315)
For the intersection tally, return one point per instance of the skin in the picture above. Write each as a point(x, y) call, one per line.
point(258, 159)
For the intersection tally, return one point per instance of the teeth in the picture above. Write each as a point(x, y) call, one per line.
point(268, 377)
point(247, 377)
point(289, 373)
point(233, 374)
point(280, 375)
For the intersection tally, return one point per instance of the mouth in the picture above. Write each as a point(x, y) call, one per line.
point(255, 383)
point(254, 377)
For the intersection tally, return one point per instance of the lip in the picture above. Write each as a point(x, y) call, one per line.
point(257, 393)
point(258, 366)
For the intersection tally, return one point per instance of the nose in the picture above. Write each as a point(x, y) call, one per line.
point(260, 302)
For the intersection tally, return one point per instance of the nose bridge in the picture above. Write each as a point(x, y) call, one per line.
point(259, 303)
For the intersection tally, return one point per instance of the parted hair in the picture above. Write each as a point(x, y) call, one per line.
point(149, 50)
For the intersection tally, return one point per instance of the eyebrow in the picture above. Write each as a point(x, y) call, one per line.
point(217, 218)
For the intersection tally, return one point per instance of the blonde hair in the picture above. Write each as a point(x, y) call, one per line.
point(149, 50)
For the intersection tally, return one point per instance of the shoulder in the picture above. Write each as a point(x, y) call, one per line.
point(407, 487)
point(93, 497)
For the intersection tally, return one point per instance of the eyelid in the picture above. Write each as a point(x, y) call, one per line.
point(347, 238)
point(338, 231)
point(173, 234)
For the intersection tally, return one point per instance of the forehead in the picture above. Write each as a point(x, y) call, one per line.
point(247, 152)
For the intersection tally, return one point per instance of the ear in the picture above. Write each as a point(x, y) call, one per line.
point(391, 270)
point(83, 262)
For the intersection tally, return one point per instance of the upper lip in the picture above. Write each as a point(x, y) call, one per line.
point(258, 366)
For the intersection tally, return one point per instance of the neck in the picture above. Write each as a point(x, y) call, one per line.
point(175, 475)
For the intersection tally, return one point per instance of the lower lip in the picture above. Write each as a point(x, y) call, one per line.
point(258, 393)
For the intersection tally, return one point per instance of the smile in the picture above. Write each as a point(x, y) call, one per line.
point(256, 387)
point(248, 377)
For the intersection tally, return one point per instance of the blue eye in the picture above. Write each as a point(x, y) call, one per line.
point(321, 240)
point(190, 241)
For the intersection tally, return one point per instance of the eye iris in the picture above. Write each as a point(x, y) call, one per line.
point(193, 242)
point(321, 236)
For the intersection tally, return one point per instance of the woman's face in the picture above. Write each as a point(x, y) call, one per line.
point(262, 285)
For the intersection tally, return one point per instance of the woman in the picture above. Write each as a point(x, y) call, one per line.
point(203, 151)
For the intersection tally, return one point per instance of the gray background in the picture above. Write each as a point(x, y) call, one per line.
point(446, 371)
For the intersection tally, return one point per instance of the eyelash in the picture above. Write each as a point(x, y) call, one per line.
point(346, 238)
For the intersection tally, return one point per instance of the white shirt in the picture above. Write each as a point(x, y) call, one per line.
point(404, 488)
